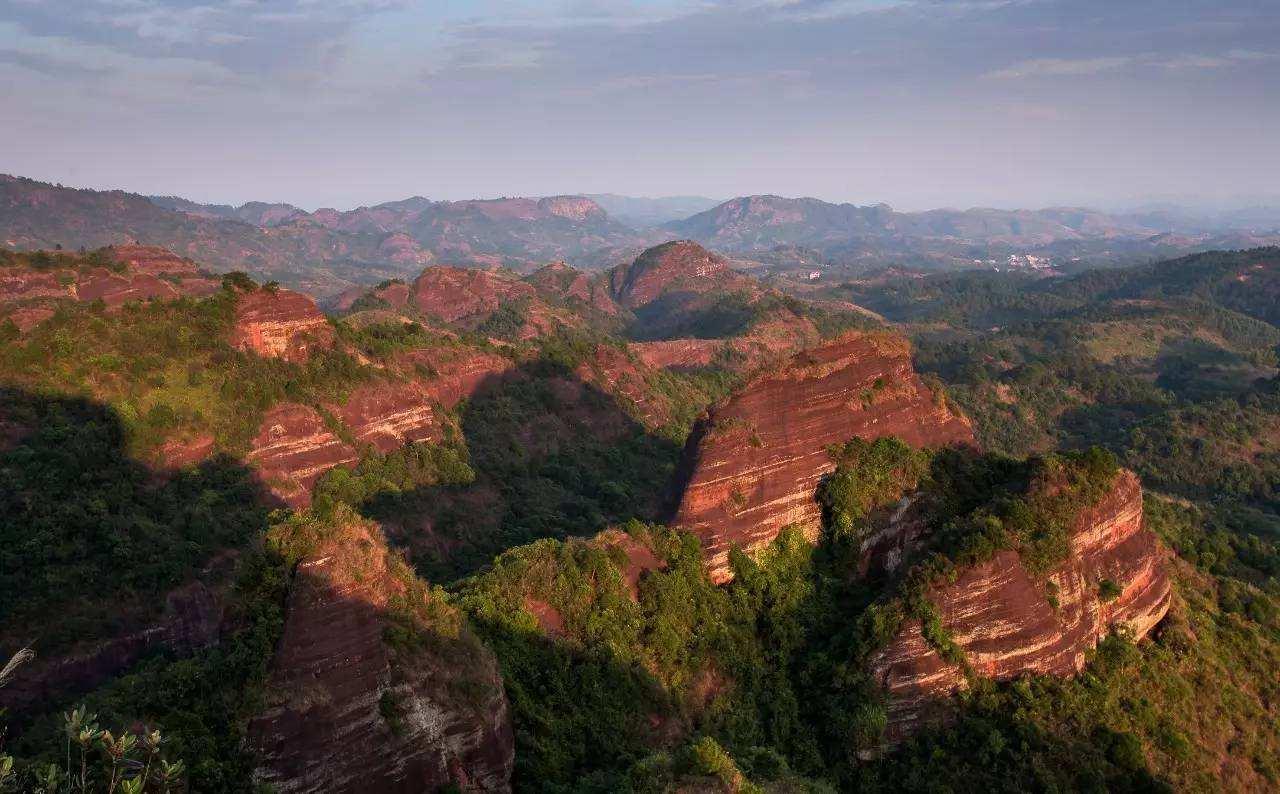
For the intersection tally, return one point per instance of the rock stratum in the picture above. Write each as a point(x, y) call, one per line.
point(279, 323)
point(351, 712)
point(1007, 624)
point(752, 464)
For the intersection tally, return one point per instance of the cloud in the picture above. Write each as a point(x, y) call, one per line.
point(1063, 67)
point(1056, 67)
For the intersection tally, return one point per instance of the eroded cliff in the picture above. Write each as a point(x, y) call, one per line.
point(1007, 620)
point(377, 684)
point(753, 463)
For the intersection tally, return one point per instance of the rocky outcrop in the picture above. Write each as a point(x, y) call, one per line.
point(115, 276)
point(678, 354)
point(350, 713)
point(152, 260)
point(561, 282)
point(390, 415)
point(1009, 623)
point(753, 463)
point(456, 372)
point(279, 323)
point(455, 293)
point(292, 449)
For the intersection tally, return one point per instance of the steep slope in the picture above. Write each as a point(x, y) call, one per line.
point(1007, 621)
point(377, 685)
point(753, 463)
point(278, 323)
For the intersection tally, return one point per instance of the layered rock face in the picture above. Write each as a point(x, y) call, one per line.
point(142, 273)
point(560, 281)
point(1003, 619)
point(459, 373)
point(279, 323)
point(293, 448)
point(390, 415)
point(349, 713)
point(753, 463)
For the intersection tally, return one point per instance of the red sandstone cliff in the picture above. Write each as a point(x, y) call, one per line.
point(293, 448)
point(1004, 621)
point(753, 463)
point(390, 415)
point(279, 323)
point(350, 713)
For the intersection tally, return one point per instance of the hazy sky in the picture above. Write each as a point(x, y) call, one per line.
point(919, 103)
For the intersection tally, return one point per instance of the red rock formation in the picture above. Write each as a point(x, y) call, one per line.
point(116, 290)
point(279, 323)
point(615, 372)
point(26, 318)
point(348, 713)
point(390, 415)
point(152, 260)
point(20, 284)
point(458, 372)
point(454, 293)
point(678, 353)
point(752, 464)
point(292, 449)
point(1001, 616)
point(560, 281)
point(682, 265)
point(185, 451)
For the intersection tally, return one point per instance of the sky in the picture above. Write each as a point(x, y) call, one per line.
point(917, 103)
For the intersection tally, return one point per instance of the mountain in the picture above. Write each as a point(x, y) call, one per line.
point(258, 213)
point(870, 236)
point(415, 545)
point(323, 252)
point(648, 212)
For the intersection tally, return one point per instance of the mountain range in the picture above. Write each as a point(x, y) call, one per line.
point(328, 251)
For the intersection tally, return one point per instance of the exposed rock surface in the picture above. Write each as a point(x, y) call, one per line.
point(453, 293)
point(458, 372)
point(1002, 617)
point(153, 260)
point(390, 415)
point(559, 280)
point(752, 464)
point(293, 448)
point(678, 354)
point(348, 713)
point(279, 323)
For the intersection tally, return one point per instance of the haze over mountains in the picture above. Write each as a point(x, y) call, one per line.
point(327, 251)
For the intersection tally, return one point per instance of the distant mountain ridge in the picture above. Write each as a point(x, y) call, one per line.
point(322, 252)
point(331, 251)
point(847, 233)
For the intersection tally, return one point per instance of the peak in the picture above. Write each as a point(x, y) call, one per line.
point(658, 269)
